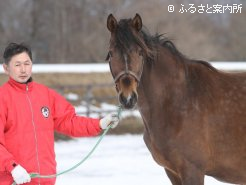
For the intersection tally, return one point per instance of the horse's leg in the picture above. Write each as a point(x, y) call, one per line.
point(175, 180)
point(191, 175)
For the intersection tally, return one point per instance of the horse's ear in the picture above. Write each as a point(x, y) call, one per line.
point(137, 22)
point(111, 23)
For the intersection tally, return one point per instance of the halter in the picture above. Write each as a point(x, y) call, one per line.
point(126, 71)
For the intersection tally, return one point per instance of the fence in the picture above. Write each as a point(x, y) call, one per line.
point(89, 103)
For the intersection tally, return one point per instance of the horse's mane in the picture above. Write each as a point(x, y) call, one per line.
point(161, 39)
point(125, 38)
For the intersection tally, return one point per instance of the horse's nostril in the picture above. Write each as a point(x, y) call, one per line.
point(134, 96)
point(128, 102)
point(122, 99)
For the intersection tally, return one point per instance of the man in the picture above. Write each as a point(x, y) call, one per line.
point(29, 114)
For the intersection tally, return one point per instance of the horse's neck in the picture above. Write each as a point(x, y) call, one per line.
point(162, 78)
point(161, 82)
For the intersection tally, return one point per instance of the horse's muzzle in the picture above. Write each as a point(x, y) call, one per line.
point(128, 102)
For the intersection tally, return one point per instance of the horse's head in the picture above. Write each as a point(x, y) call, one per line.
point(126, 57)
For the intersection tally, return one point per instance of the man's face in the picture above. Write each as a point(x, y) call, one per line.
point(19, 67)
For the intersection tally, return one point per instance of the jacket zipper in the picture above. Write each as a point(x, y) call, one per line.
point(34, 129)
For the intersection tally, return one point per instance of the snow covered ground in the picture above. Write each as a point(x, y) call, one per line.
point(118, 160)
point(104, 67)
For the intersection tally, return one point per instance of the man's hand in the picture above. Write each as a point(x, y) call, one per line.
point(20, 175)
point(109, 119)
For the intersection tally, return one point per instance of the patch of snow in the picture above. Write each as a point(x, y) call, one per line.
point(118, 160)
point(72, 96)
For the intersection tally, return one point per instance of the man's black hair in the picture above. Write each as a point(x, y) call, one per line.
point(14, 49)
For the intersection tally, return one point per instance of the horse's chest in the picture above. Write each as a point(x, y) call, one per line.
point(159, 155)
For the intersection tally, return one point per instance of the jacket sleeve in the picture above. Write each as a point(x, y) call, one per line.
point(7, 160)
point(67, 122)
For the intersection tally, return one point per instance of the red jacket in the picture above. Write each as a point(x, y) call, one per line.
point(29, 114)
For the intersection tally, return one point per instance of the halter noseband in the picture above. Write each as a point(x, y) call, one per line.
point(126, 71)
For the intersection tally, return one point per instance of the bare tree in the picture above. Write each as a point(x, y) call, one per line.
point(62, 31)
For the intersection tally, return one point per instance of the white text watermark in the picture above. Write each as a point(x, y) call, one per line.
point(217, 8)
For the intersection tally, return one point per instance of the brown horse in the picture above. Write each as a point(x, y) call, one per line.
point(194, 115)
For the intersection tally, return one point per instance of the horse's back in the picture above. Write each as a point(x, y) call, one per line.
point(227, 128)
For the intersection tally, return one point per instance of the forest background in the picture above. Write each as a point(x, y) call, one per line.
point(62, 31)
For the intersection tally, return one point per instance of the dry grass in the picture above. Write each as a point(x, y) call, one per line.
point(63, 79)
point(129, 125)
point(79, 84)
point(75, 83)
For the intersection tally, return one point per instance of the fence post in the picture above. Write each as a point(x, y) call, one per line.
point(88, 99)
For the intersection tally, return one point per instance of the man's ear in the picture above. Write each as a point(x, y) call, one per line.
point(6, 68)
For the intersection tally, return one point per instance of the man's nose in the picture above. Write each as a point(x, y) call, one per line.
point(23, 68)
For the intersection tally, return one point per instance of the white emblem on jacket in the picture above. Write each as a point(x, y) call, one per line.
point(45, 111)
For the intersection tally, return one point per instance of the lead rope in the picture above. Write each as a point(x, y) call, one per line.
point(36, 175)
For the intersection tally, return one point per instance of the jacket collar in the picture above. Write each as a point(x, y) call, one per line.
point(20, 86)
